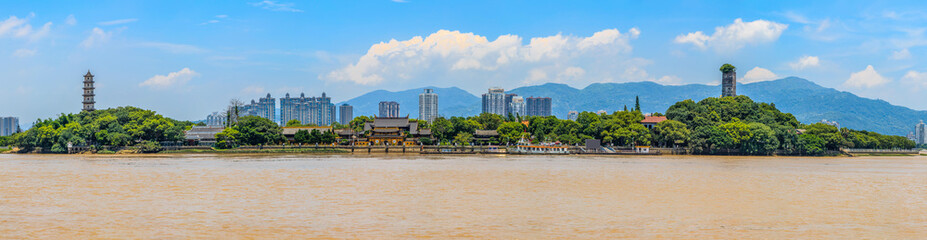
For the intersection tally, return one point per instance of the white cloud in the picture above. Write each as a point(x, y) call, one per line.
point(172, 79)
point(451, 54)
point(20, 28)
point(70, 20)
point(758, 74)
point(735, 36)
point(918, 79)
point(97, 36)
point(901, 54)
point(536, 76)
point(117, 22)
point(222, 16)
point(172, 47)
point(24, 53)
point(669, 80)
point(275, 6)
point(866, 78)
point(805, 62)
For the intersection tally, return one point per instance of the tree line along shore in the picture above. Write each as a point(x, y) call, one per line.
point(725, 125)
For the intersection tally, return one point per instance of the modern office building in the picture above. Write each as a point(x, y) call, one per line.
point(517, 106)
point(265, 107)
point(572, 115)
point(345, 114)
point(538, 106)
point(428, 105)
point(729, 83)
point(494, 101)
point(9, 126)
point(389, 109)
point(216, 119)
point(88, 101)
point(312, 110)
point(920, 133)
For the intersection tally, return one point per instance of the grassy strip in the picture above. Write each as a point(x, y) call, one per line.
point(291, 150)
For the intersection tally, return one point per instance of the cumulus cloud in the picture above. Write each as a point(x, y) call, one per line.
point(758, 74)
point(735, 36)
point(119, 21)
point(866, 78)
point(445, 55)
point(24, 53)
point(275, 6)
point(172, 79)
point(901, 54)
point(805, 62)
point(915, 78)
point(20, 28)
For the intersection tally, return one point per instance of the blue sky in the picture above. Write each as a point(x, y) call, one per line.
point(186, 59)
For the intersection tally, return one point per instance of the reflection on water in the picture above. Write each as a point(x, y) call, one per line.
point(415, 196)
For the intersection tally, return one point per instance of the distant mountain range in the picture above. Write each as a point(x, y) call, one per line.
point(808, 101)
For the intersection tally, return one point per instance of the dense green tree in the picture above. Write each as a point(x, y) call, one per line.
point(511, 132)
point(671, 133)
point(301, 137)
point(255, 130)
point(123, 126)
point(489, 121)
point(463, 138)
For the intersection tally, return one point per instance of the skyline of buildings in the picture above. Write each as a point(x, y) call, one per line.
point(9, 126)
point(496, 101)
point(308, 110)
point(428, 105)
point(265, 107)
point(389, 109)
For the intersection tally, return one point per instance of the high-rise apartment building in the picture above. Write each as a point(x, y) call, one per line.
point(517, 106)
point(494, 101)
point(389, 109)
point(9, 126)
point(920, 133)
point(265, 107)
point(345, 113)
point(312, 110)
point(428, 105)
point(88, 95)
point(538, 106)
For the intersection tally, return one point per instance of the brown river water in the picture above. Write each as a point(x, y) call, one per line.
point(485, 197)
